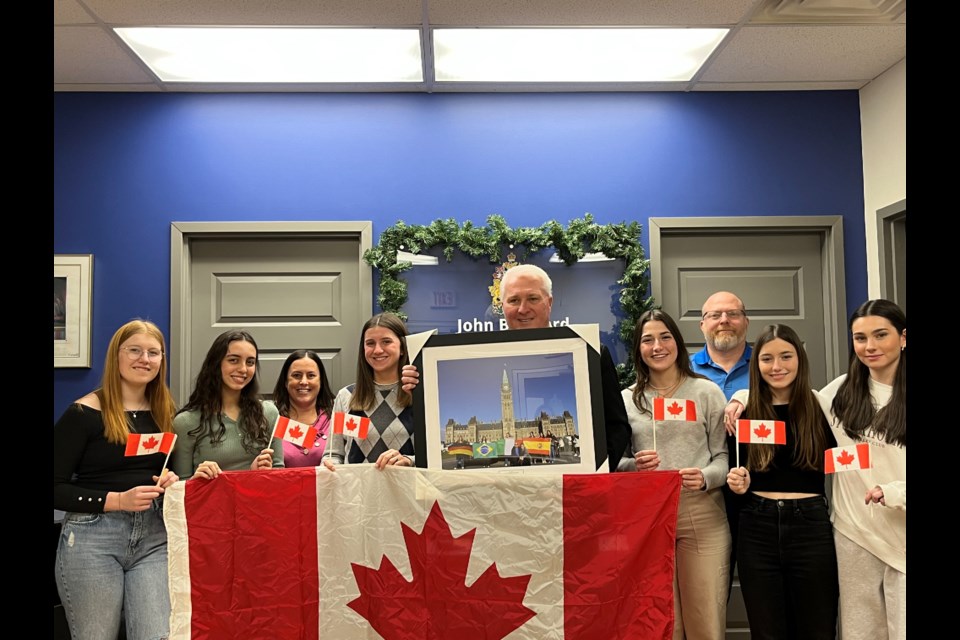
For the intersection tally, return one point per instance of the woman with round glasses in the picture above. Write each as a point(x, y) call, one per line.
point(112, 555)
point(225, 426)
point(303, 393)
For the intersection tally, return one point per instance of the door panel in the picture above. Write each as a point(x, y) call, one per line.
point(777, 276)
point(290, 288)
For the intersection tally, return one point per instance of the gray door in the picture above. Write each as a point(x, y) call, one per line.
point(304, 290)
point(892, 248)
point(778, 280)
point(784, 272)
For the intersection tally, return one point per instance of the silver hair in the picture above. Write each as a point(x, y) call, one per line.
point(528, 270)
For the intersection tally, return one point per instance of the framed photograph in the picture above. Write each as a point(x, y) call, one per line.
point(511, 400)
point(72, 297)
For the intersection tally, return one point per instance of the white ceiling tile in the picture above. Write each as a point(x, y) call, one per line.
point(69, 12)
point(806, 53)
point(271, 12)
point(596, 13)
point(89, 54)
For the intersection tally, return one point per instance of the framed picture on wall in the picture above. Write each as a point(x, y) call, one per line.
point(72, 297)
point(525, 400)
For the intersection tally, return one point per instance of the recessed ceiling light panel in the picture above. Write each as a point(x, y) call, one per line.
point(572, 55)
point(281, 55)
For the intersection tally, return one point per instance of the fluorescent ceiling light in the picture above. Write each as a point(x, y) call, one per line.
point(267, 55)
point(572, 55)
point(416, 259)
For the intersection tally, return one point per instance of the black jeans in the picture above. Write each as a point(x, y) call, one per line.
point(788, 568)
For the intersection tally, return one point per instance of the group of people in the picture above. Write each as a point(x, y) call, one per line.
point(112, 558)
point(111, 564)
point(809, 549)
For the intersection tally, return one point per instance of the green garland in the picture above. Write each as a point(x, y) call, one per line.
point(580, 236)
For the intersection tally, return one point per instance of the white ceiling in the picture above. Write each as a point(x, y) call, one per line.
point(773, 44)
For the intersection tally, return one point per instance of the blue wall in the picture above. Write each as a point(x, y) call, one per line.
point(127, 165)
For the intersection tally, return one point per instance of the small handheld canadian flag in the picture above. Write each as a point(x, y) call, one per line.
point(847, 458)
point(674, 409)
point(351, 425)
point(144, 444)
point(762, 431)
point(300, 434)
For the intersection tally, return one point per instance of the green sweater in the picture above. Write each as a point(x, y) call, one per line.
point(229, 453)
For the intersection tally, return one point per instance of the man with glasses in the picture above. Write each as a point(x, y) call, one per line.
point(725, 359)
point(726, 354)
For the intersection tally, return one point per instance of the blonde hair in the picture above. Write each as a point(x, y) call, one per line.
point(116, 425)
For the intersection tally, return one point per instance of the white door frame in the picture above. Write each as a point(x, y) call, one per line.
point(181, 267)
point(834, 290)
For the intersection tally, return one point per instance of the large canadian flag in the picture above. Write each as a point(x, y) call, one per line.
point(407, 553)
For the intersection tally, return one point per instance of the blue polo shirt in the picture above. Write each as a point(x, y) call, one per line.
point(737, 378)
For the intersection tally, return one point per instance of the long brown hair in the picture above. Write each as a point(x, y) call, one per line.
point(116, 423)
point(207, 398)
point(806, 417)
point(853, 405)
point(643, 371)
point(363, 391)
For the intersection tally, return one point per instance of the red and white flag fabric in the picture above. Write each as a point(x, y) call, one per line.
point(847, 458)
point(300, 434)
point(144, 444)
point(407, 554)
point(674, 409)
point(762, 431)
point(351, 425)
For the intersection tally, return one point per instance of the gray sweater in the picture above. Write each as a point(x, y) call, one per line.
point(682, 444)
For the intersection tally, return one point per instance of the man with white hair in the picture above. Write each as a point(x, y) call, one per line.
point(526, 292)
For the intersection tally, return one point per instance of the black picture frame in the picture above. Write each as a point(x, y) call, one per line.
point(582, 344)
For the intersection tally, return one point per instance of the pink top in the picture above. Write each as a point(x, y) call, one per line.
point(295, 456)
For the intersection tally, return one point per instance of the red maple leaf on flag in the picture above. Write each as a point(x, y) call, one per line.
point(437, 603)
point(351, 425)
point(150, 444)
point(762, 431)
point(675, 408)
point(295, 432)
point(845, 457)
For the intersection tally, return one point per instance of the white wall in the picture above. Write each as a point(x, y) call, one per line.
point(883, 126)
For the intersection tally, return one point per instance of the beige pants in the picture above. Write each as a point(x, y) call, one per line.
point(703, 567)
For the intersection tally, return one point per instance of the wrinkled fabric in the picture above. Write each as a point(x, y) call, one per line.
point(411, 553)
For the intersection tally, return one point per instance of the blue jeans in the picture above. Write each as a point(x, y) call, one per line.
point(788, 568)
point(111, 566)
